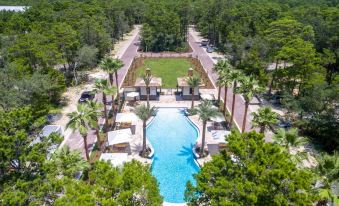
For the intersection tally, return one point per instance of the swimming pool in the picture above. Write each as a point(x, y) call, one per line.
point(172, 136)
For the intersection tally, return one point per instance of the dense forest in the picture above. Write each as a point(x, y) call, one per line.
point(301, 37)
point(45, 49)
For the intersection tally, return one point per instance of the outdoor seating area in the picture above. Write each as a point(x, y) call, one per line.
point(154, 88)
point(119, 140)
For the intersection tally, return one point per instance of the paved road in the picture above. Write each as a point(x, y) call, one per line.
point(75, 141)
point(208, 64)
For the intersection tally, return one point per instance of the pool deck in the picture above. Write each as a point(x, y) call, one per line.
point(167, 101)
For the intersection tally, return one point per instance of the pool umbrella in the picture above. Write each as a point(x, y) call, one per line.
point(207, 96)
point(126, 117)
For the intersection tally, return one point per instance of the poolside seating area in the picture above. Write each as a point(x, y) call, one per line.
point(126, 138)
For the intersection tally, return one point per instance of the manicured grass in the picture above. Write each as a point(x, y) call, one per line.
point(169, 69)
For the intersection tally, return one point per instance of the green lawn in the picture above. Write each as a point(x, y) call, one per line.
point(169, 69)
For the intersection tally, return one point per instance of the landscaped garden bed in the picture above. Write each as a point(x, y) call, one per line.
point(168, 68)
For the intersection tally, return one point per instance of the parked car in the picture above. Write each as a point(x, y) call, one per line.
point(209, 49)
point(86, 96)
point(204, 42)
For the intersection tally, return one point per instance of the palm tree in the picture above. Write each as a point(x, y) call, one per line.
point(94, 113)
point(193, 82)
point(111, 66)
point(65, 162)
point(327, 169)
point(248, 88)
point(264, 118)
point(144, 113)
point(147, 79)
point(225, 82)
point(80, 120)
point(218, 67)
point(205, 111)
point(235, 76)
point(289, 138)
point(111, 91)
point(101, 85)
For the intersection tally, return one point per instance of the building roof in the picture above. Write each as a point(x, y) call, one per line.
point(119, 136)
point(182, 82)
point(155, 82)
point(13, 8)
point(49, 129)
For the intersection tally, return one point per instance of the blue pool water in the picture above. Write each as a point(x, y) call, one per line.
point(172, 136)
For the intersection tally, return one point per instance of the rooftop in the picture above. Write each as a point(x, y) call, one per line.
point(13, 8)
point(155, 82)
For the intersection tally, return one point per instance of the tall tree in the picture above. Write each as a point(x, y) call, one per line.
point(205, 111)
point(248, 88)
point(226, 82)
point(218, 67)
point(101, 85)
point(144, 113)
point(193, 82)
point(235, 76)
point(95, 112)
point(81, 121)
point(112, 66)
point(147, 79)
point(264, 118)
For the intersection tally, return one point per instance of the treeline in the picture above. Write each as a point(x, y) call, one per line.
point(297, 40)
point(43, 49)
point(165, 26)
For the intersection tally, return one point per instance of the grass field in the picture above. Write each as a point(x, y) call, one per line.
point(169, 69)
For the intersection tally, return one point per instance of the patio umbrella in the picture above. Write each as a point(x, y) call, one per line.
point(218, 118)
point(207, 96)
point(126, 117)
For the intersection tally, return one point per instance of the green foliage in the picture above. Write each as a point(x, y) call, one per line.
point(248, 87)
point(264, 118)
point(19, 156)
point(144, 112)
point(164, 29)
point(205, 110)
point(88, 56)
point(251, 172)
point(132, 184)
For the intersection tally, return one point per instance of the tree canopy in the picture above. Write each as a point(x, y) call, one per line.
point(251, 172)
